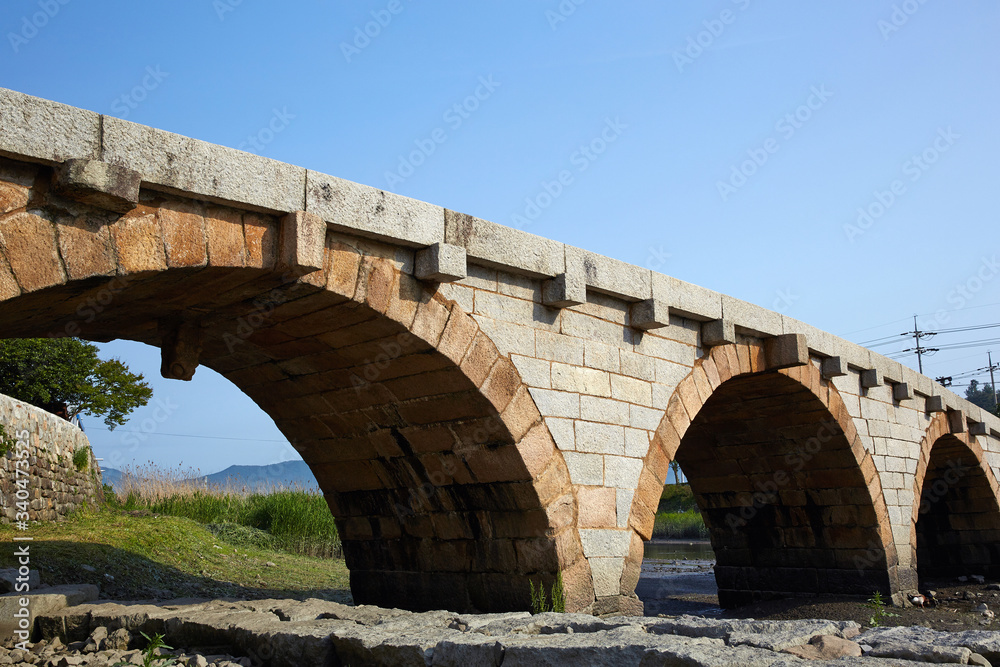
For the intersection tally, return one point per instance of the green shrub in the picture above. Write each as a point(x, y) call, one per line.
point(686, 525)
point(81, 458)
point(677, 498)
point(6, 442)
point(540, 603)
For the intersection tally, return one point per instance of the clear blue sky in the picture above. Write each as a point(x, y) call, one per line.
point(687, 91)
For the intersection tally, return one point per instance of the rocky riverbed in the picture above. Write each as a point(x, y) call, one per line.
point(318, 632)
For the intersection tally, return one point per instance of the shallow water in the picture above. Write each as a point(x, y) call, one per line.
point(677, 578)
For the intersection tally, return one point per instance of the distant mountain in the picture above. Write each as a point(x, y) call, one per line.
point(286, 473)
point(111, 476)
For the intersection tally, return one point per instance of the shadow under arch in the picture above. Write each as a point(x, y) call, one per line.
point(955, 529)
point(791, 499)
point(445, 483)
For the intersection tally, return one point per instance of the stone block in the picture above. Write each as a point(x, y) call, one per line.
point(870, 378)
point(303, 239)
point(610, 276)
point(564, 290)
point(956, 421)
point(597, 507)
point(585, 469)
point(38, 130)
point(786, 351)
point(751, 318)
point(718, 332)
point(687, 300)
point(366, 211)
point(901, 392)
point(97, 183)
point(602, 543)
point(978, 428)
point(833, 367)
point(42, 603)
point(649, 314)
point(179, 164)
point(498, 246)
point(441, 262)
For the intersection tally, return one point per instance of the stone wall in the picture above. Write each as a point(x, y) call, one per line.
point(55, 486)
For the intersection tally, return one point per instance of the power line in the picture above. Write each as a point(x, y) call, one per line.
point(188, 435)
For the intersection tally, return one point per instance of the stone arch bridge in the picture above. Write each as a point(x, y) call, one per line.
point(483, 407)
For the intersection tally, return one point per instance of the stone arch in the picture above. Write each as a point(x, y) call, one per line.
point(955, 524)
point(792, 500)
point(443, 478)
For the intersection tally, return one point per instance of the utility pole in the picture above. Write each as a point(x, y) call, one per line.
point(989, 355)
point(917, 335)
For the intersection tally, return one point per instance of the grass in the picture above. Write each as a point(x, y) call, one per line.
point(296, 520)
point(157, 556)
point(678, 516)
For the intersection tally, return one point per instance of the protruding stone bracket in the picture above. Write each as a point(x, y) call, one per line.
point(901, 392)
point(718, 332)
point(649, 314)
point(935, 404)
point(441, 262)
point(97, 183)
point(978, 428)
point(870, 378)
point(565, 290)
point(956, 421)
point(786, 351)
point(180, 348)
point(833, 367)
point(303, 241)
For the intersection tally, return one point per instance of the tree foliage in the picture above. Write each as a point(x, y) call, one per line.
point(982, 395)
point(51, 372)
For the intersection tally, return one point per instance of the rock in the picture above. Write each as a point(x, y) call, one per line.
point(199, 661)
point(978, 578)
point(826, 647)
point(993, 587)
point(982, 607)
point(976, 659)
point(922, 652)
point(88, 568)
point(9, 580)
point(118, 640)
point(963, 579)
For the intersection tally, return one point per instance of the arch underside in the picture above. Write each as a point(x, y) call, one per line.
point(445, 483)
point(957, 529)
point(782, 493)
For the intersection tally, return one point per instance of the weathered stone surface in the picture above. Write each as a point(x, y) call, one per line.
point(303, 237)
point(177, 163)
point(45, 131)
point(441, 262)
point(108, 186)
point(490, 244)
point(985, 643)
point(367, 211)
point(825, 647)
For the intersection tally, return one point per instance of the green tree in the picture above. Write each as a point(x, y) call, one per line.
point(65, 376)
point(981, 395)
point(676, 467)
